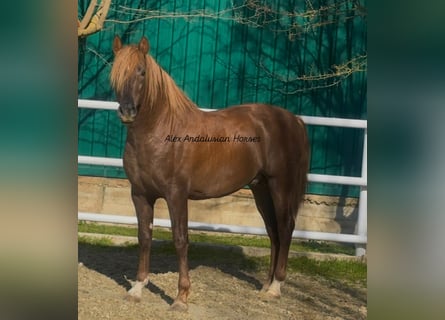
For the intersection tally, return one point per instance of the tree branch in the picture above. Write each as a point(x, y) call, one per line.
point(87, 17)
point(92, 24)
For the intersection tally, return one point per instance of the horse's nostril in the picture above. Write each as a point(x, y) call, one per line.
point(127, 112)
point(126, 109)
point(133, 110)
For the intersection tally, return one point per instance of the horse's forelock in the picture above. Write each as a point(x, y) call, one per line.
point(125, 62)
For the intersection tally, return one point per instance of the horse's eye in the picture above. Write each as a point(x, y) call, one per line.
point(141, 71)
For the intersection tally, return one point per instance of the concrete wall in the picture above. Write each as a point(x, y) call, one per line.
point(318, 213)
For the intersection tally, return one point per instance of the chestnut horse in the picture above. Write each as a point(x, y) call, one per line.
point(177, 152)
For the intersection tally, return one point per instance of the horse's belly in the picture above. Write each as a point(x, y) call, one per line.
point(223, 172)
point(207, 194)
point(215, 186)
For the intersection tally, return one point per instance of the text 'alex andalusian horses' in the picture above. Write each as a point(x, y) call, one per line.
point(177, 152)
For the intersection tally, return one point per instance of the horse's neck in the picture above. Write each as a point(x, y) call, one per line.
point(176, 100)
point(172, 103)
point(162, 115)
point(165, 105)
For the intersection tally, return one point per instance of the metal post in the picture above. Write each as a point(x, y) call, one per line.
point(362, 219)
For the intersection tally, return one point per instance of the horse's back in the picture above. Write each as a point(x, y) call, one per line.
point(280, 127)
point(278, 130)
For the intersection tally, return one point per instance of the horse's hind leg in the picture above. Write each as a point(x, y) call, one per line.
point(285, 214)
point(144, 213)
point(264, 203)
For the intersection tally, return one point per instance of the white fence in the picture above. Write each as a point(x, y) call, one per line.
point(359, 238)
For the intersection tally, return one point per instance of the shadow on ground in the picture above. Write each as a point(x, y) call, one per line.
point(116, 262)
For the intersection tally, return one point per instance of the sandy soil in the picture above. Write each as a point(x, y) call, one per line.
point(221, 289)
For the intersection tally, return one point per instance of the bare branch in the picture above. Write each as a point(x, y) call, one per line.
point(87, 17)
point(293, 23)
point(326, 80)
point(315, 80)
point(95, 24)
point(256, 14)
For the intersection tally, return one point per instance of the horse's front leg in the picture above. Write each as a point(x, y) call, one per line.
point(144, 213)
point(179, 218)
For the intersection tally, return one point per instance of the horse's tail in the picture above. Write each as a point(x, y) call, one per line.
point(303, 162)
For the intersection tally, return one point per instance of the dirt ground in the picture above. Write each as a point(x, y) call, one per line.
point(222, 288)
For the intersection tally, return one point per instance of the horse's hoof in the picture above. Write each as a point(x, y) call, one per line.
point(274, 290)
point(273, 294)
point(267, 295)
point(179, 306)
point(265, 288)
point(135, 293)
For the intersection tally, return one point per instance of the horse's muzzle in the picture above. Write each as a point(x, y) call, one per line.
point(127, 113)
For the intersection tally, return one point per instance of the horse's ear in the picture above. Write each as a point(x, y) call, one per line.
point(117, 44)
point(144, 46)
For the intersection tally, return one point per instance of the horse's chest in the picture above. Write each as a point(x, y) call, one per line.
point(145, 162)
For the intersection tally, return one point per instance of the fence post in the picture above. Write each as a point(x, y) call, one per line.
point(362, 219)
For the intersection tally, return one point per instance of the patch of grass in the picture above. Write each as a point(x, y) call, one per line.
point(323, 247)
point(220, 238)
point(100, 242)
point(342, 271)
point(230, 239)
point(88, 227)
point(350, 271)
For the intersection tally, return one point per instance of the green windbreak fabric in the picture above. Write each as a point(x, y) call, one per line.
point(308, 57)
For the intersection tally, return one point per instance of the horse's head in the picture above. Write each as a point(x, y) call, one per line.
point(128, 77)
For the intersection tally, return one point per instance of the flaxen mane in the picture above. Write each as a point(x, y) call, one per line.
point(161, 89)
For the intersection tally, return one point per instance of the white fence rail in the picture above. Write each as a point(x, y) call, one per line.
point(359, 238)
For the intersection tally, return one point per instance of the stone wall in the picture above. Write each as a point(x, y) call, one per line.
point(318, 213)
